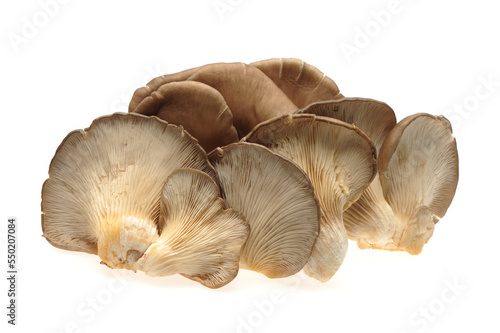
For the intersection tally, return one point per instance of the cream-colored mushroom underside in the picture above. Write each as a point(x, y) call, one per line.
point(420, 180)
point(278, 202)
point(339, 163)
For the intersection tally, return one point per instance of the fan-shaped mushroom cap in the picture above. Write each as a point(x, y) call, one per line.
point(197, 107)
point(141, 93)
point(199, 238)
point(301, 82)
point(339, 159)
point(419, 175)
point(278, 201)
point(370, 220)
point(103, 191)
point(249, 93)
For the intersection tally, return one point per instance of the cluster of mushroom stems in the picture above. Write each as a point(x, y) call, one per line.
point(262, 166)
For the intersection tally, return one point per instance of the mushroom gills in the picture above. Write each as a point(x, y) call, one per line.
point(103, 191)
point(418, 167)
point(370, 220)
point(278, 201)
point(200, 239)
point(340, 161)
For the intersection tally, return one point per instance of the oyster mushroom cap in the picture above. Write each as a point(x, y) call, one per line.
point(143, 92)
point(198, 108)
point(301, 82)
point(340, 161)
point(418, 167)
point(199, 238)
point(249, 93)
point(278, 201)
point(370, 220)
point(103, 191)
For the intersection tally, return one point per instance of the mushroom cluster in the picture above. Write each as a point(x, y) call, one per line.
point(262, 166)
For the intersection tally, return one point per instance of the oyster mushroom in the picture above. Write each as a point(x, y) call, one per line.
point(370, 220)
point(143, 92)
point(339, 159)
point(301, 82)
point(198, 108)
point(249, 93)
point(418, 167)
point(199, 238)
point(103, 191)
point(278, 201)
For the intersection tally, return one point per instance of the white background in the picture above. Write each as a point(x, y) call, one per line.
point(88, 57)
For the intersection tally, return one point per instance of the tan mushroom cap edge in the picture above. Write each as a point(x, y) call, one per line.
point(340, 161)
point(301, 82)
point(249, 93)
point(199, 239)
point(143, 92)
point(418, 167)
point(278, 201)
point(103, 191)
point(198, 108)
point(370, 220)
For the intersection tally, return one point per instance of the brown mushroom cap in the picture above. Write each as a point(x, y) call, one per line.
point(249, 93)
point(103, 191)
point(339, 159)
point(199, 238)
point(197, 107)
point(141, 93)
point(278, 201)
point(418, 167)
point(301, 82)
point(370, 220)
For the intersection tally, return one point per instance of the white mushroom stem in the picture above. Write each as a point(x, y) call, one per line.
point(123, 240)
point(414, 230)
point(331, 245)
point(339, 159)
point(373, 207)
point(370, 220)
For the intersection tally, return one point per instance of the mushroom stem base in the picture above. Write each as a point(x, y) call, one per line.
point(330, 248)
point(412, 233)
point(123, 240)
